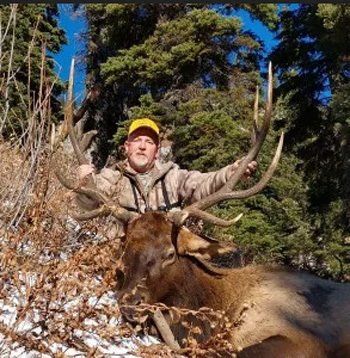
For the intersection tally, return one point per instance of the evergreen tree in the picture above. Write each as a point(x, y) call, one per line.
point(313, 59)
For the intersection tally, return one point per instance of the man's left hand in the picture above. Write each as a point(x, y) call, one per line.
point(251, 168)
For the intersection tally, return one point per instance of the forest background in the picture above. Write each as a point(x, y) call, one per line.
point(194, 69)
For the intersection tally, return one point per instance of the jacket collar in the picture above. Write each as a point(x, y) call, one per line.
point(157, 172)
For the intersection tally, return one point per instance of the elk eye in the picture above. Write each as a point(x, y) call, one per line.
point(150, 263)
point(170, 255)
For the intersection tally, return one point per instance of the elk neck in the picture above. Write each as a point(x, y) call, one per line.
point(192, 287)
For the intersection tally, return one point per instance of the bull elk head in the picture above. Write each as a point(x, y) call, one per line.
point(197, 209)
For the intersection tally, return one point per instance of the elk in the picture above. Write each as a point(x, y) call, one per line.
point(277, 312)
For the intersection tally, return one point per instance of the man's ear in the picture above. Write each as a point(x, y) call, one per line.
point(126, 146)
point(201, 247)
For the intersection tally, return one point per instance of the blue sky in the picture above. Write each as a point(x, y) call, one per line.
point(75, 25)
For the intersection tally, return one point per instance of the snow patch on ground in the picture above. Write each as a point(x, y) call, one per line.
point(10, 318)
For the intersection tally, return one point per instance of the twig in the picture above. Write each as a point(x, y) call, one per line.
point(165, 330)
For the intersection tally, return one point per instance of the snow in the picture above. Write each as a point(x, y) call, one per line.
point(10, 317)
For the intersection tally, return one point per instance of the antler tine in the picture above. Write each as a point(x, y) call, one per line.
point(255, 116)
point(89, 98)
point(107, 208)
point(252, 154)
point(226, 192)
point(101, 211)
point(69, 118)
point(90, 190)
point(243, 194)
point(180, 216)
point(260, 137)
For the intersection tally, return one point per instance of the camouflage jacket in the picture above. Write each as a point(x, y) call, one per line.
point(166, 186)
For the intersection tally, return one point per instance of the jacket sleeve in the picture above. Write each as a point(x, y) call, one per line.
point(194, 185)
point(105, 181)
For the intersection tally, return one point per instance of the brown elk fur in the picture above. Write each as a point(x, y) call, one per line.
point(273, 309)
point(276, 347)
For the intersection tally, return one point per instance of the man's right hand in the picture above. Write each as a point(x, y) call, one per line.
point(84, 170)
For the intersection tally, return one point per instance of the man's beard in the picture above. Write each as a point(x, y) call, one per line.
point(141, 161)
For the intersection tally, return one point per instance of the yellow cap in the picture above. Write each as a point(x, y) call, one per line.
point(143, 122)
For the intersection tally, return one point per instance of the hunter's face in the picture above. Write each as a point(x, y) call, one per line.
point(141, 149)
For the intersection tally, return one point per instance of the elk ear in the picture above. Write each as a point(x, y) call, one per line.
point(203, 248)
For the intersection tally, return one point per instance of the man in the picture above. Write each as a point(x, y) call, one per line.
point(142, 182)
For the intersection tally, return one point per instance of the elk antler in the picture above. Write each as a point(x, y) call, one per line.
point(226, 192)
point(106, 205)
point(77, 118)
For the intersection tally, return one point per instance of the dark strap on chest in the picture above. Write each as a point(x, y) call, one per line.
point(167, 206)
point(133, 186)
point(165, 195)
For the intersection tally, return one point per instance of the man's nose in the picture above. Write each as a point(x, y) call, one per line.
point(142, 145)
